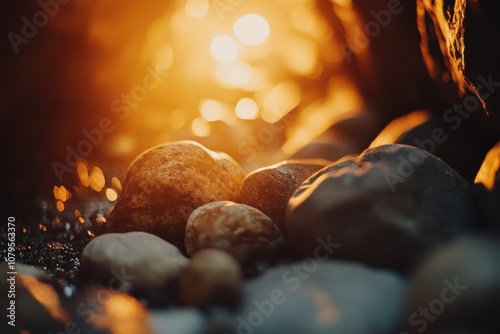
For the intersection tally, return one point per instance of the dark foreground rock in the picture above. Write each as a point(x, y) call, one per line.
point(387, 208)
point(319, 296)
point(457, 288)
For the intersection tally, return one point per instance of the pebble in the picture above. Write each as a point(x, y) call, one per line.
point(212, 277)
point(166, 183)
point(386, 208)
point(243, 231)
point(134, 261)
point(269, 189)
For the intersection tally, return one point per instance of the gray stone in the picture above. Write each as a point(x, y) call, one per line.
point(458, 286)
point(178, 321)
point(132, 261)
point(319, 296)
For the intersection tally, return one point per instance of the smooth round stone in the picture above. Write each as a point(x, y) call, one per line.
point(318, 296)
point(457, 287)
point(243, 231)
point(132, 261)
point(387, 208)
point(269, 188)
point(212, 277)
point(166, 183)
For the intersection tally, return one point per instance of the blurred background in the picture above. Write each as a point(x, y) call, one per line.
point(87, 86)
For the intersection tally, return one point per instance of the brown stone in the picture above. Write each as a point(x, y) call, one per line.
point(269, 189)
point(166, 183)
point(239, 229)
point(211, 277)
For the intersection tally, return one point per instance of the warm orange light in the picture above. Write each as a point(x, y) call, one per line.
point(211, 110)
point(122, 314)
point(200, 127)
point(234, 75)
point(177, 119)
point(197, 8)
point(61, 193)
point(46, 296)
point(280, 100)
point(83, 174)
point(60, 206)
point(343, 3)
point(246, 108)
point(398, 127)
point(251, 29)
point(303, 59)
point(117, 185)
point(224, 49)
point(111, 194)
point(164, 58)
point(97, 180)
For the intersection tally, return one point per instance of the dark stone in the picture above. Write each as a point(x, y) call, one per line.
point(459, 284)
point(441, 135)
point(269, 188)
point(386, 208)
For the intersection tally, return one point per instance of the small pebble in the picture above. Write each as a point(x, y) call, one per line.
point(212, 277)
